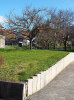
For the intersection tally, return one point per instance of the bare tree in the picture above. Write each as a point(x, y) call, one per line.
point(61, 21)
point(66, 19)
point(55, 26)
point(46, 35)
point(29, 21)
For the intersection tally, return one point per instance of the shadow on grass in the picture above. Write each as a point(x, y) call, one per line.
point(23, 48)
point(14, 48)
point(68, 49)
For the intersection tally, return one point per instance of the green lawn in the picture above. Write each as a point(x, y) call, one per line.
point(20, 64)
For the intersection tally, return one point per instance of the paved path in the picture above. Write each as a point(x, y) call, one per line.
point(61, 88)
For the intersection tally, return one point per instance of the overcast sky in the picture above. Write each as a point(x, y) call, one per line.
point(17, 5)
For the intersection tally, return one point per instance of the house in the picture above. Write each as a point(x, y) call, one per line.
point(22, 39)
point(2, 41)
point(2, 37)
point(12, 38)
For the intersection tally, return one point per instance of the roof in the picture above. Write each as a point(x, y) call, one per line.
point(11, 35)
point(25, 33)
point(24, 36)
point(1, 26)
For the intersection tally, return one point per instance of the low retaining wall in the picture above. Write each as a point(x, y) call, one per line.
point(19, 91)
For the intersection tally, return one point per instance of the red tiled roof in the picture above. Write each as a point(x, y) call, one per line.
point(8, 33)
point(25, 33)
point(11, 35)
point(24, 36)
point(1, 26)
point(13, 39)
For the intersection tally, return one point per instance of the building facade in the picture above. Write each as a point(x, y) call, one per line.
point(2, 41)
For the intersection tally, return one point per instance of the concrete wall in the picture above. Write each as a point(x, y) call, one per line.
point(2, 41)
point(19, 91)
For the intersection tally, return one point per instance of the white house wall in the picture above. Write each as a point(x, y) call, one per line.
point(2, 41)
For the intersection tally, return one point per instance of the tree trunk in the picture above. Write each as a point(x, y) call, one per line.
point(65, 45)
point(48, 46)
point(54, 45)
point(30, 44)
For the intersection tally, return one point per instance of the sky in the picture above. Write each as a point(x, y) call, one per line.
point(18, 5)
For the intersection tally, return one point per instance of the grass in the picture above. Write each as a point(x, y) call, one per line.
point(20, 64)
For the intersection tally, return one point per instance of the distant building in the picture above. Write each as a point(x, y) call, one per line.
point(22, 39)
point(10, 37)
point(2, 41)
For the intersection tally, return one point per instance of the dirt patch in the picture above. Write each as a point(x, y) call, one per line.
point(1, 60)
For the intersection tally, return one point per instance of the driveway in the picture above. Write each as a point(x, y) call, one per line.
point(61, 88)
